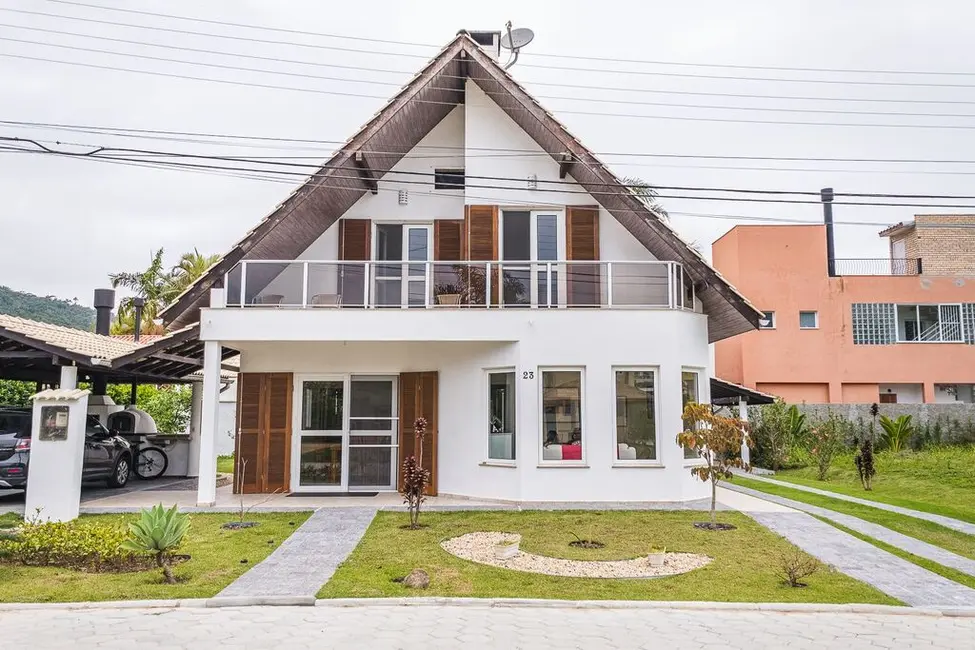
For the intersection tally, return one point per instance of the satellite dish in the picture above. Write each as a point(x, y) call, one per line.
point(516, 39)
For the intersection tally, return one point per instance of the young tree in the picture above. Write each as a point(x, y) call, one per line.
point(826, 439)
point(415, 477)
point(716, 439)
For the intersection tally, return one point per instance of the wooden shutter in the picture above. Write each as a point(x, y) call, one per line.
point(481, 244)
point(448, 240)
point(419, 398)
point(277, 465)
point(247, 444)
point(355, 243)
point(263, 433)
point(582, 243)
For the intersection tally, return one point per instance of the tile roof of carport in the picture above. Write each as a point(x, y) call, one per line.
point(32, 350)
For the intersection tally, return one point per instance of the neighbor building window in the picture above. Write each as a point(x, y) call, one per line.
point(448, 179)
point(501, 415)
point(561, 415)
point(929, 323)
point(767, 321)
point(689, 392)
point(808, 320)
point(636, 415)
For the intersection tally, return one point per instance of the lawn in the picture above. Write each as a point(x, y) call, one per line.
point(939, 480)
point(225, 464)
point(926, 531)
point(744, 566)
point(216, 561)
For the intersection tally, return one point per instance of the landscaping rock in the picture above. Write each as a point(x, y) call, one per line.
point(417, 579)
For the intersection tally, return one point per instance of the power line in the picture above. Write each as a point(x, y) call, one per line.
point(588, 87)
point(421, 56)
point(600, 100)
point(540, 54)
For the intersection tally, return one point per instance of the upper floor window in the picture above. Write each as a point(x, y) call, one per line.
point(808, 320)
point(448, 179)
point(929, 323)
point(767, 321)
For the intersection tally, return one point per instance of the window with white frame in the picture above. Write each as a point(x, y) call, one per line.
point(767, 321)
point(808, 320)
point(689, 392)
point(929, 323)
point(561, 416)
point(636, 414)
point(501, 415)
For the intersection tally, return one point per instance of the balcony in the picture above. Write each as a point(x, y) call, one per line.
point(885, 266)
point(275, 284)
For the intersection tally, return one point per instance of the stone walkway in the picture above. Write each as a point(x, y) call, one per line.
point(947, 522)
point(381, 627)
point(306, 560)
point(876, 531)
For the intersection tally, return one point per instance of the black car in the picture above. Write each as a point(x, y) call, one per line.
point(107, 457)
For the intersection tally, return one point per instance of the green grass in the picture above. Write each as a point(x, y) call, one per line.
point(10, 520)
point(938, 480)
point(926, 531)
point(744, 566)
point(215, 563)
point(930, 565)
point(225, 464)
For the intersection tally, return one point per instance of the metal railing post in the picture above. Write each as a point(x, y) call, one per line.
point(548, 284)
point(609, 284)
point(304, 284)
point(670, 285)
point(427, 284)
point(487, 285)
point(243, 284)
point(367, 284)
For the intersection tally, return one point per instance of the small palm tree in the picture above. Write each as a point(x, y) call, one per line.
point(159, 532)
point(646, 193)
point(190, 267)
point(149, 285)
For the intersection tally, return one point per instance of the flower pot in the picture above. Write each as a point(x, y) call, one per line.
point(656, 559)
point(506, 551)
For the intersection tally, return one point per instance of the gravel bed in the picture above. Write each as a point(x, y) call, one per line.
point(479, 547)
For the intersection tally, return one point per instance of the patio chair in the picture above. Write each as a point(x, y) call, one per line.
point(326, 300)
point(269, 299)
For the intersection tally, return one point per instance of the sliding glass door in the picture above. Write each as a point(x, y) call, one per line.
point(397, 282)
point(348, 436)
point(530, 240)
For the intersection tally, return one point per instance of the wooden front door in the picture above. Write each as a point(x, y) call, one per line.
point(262, 453)
point(418, 397)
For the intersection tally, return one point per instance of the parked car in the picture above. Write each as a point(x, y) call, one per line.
point(107, 457)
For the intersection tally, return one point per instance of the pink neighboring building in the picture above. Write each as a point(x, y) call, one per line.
point(884, 330)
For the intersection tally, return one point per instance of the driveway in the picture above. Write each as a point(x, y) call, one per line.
point(474, 627)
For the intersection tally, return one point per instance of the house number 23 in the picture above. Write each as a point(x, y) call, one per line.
point(528, 374)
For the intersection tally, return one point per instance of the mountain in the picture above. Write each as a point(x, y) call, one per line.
point(46, 309)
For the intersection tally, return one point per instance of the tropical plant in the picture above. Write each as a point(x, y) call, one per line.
point(158, 532)
point(778, 428)
point(717, 440)
point(190, 267)
point(864, 462)
point(826, 439)
point(150, 285)
point(898, 431)
point(647, 194)
point(415, 477)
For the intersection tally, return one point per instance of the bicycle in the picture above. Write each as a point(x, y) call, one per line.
point(150, 461)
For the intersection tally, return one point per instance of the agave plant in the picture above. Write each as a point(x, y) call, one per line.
point(898, 431)
point(159, 532)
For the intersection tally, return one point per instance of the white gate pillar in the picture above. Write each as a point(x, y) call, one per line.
point(57, 451)
point(196, 418)
point(209, 425)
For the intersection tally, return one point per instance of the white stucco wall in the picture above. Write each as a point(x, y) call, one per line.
point(554, 340)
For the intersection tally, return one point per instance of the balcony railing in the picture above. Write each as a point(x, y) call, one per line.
point(888, 266)
point(380, 284)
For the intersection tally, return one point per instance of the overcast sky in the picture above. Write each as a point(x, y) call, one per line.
point(66, 223)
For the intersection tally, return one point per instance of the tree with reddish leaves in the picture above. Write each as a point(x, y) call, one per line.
point(415, 477)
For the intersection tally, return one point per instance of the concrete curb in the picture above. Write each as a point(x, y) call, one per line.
point(436, 601)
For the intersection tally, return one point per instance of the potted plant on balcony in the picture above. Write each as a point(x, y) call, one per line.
point(447, 294)
point(657, 555)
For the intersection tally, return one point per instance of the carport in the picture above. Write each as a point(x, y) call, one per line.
point(726, 393)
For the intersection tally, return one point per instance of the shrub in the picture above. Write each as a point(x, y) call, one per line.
point(76, 544)
point(826, 439)
point(864, 463)
point(899, 431)
point(158, 532)
point(795, 566)
point(779, 426)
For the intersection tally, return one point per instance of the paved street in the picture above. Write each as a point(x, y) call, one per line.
point(473, 627)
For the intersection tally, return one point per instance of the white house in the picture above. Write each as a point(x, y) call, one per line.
point(465, 259)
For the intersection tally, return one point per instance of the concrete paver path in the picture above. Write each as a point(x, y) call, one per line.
point(876, 531)
point(379, 627)
point(306, 560)
point(947, 522)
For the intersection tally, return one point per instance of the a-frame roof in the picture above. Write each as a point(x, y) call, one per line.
point(432, 93)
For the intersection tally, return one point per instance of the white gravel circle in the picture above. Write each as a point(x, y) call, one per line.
point(479, 547)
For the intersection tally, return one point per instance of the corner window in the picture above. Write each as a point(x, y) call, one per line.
point(689, 392)
point(636, 415)
point(561, 415)
point(808, 320)
point(448, 179)
point(501, 415)
point(929, 324)
point(767, 321)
